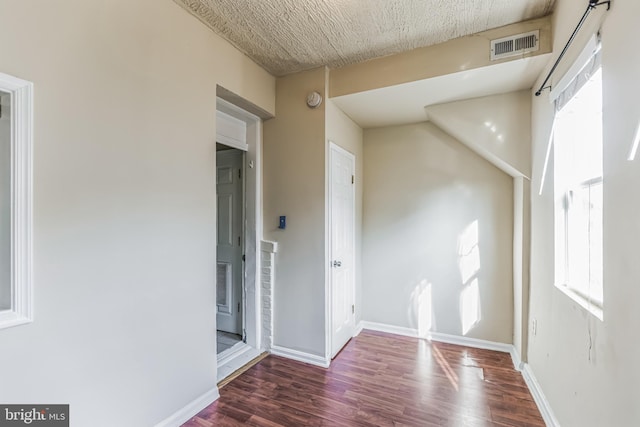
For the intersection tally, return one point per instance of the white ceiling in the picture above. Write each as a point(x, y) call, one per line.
point(287, 36)
point(405, 103)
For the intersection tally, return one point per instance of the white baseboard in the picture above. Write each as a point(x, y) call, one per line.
point(515, 358)
point(300, 356)
point(539, 397)
point(445, 338)
point(184, 414)
point(390, 329)
point(470, 342)
point(359, 328)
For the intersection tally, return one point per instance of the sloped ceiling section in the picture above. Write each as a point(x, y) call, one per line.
point(287, 36)
point(497, 127)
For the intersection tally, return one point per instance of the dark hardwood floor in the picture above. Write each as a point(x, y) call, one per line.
point(379, 380)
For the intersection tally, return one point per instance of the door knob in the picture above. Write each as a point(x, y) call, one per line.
point(337, 263)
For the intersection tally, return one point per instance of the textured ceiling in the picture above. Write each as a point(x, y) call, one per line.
point(286, 36)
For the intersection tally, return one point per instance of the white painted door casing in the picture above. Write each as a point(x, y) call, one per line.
point(341, 246)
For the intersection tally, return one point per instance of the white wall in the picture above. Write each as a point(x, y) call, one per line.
point(587, 368)
point(124, 220)
point(343, 131)
point(5, 202)
point(521, 264)
point(422, 189)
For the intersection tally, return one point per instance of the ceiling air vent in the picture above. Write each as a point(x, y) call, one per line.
point(515, 45)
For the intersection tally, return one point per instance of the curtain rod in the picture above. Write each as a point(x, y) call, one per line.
point(592, 5)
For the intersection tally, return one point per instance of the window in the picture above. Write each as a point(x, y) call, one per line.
point(578, 188)
point(15, 201)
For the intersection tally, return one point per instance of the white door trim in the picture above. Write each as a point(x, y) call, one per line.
point(328, 282)
point(231, 131)
point(253, 213)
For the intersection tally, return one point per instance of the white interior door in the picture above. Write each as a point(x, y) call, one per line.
point(229, 262)
point(342, 248)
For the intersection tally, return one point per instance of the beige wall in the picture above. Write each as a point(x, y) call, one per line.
point(422, 190)
point(587, 368)
point(295, 144)
point(294, 185)
point(124, 219)
point(497, 127)
point(343, 131)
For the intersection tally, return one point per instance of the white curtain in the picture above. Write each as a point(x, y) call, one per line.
point(587, 63)
point(578, 81)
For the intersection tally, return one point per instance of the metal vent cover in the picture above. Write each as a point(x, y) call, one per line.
point(517, 44)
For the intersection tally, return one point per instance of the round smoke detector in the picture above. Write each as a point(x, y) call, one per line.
point(314, 99)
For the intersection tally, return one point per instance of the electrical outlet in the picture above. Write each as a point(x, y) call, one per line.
point(534, 327)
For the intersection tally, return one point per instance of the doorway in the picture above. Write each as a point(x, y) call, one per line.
point(341, 210)
point(230, 247)
point(238, 294)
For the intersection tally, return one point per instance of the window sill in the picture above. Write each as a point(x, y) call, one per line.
point(588, 305)
point(10, 318)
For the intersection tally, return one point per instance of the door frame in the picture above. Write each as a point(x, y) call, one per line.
point(330, 145)
point(252, 185)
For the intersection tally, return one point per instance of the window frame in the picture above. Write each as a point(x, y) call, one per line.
point(21, 204)
point(562, 213)
point(568, 283)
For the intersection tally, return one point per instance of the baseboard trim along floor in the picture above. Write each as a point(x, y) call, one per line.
point(190, 409)
point(300, 356)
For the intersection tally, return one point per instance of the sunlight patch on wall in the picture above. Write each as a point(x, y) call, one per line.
point(469, 265)
point(468, 252)
point(470, 306)
point(634, 146)
point(422, 304)
point(424, 311)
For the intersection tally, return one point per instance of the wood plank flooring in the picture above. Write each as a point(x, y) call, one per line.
point(379, 379)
